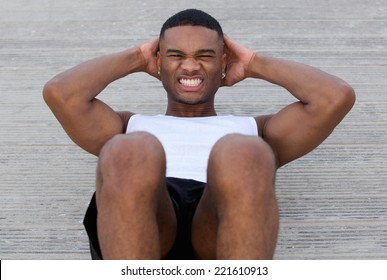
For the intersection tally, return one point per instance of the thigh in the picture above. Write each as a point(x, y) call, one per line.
point(204, 227)
point(131, 195)
point(166, 219)
point(236, 163)
point(167, 223)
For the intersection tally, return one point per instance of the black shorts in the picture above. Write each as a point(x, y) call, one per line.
point(185, 195)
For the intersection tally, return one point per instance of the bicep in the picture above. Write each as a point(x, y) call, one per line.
point(294, 132)
point(91, 126)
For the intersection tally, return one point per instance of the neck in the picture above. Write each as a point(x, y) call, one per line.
point(185, 110)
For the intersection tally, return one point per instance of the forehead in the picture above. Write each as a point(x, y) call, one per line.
point(190, 38)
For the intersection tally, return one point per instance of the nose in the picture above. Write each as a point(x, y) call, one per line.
point(190, 64)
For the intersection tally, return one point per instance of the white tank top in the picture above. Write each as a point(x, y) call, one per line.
point(188, 141)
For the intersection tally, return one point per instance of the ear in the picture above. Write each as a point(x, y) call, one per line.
point(224, 62)
point(158, 59)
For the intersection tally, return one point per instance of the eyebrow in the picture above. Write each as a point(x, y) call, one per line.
point(202, 51)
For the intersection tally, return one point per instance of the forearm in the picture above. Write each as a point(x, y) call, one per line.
point(85, 81)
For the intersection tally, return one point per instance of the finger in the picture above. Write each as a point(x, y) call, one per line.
point(227, 41)
point(155, 46)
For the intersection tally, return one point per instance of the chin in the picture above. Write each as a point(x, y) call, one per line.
point(189, 100)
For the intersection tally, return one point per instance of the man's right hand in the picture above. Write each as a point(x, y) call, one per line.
point(149, 52)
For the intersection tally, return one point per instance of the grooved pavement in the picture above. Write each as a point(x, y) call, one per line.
point(333, 202)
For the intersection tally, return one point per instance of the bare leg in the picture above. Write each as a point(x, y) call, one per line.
point(136, 219)
point(237, 217)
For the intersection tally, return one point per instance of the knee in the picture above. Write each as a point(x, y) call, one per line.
point(131, 157)
point(241, 151)
point(135, 147)
point(239, 161)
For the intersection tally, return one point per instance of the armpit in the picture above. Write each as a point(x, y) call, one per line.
point(125, 116)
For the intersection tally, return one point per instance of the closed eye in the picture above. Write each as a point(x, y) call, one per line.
point(174, 53)
point(201, 54)
point(205, 57)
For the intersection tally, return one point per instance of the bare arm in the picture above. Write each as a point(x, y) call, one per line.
point(71, 95)
point(324, 100)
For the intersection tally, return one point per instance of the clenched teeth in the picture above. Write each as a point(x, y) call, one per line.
point(190, 82)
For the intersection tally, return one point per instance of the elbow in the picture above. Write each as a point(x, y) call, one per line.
point(338, 99)
point(344, 98)
point(52, 94)
point(336, 103)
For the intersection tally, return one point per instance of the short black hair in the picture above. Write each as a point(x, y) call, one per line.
point(192, 17)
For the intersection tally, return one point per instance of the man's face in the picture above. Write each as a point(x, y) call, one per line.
point(191, 62)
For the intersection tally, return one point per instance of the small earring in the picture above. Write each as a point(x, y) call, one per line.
point(158, 72)
point(223, 75)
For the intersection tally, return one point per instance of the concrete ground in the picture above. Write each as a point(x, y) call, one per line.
point(333, 202)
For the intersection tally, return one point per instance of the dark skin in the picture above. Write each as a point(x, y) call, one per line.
point(191, 61)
